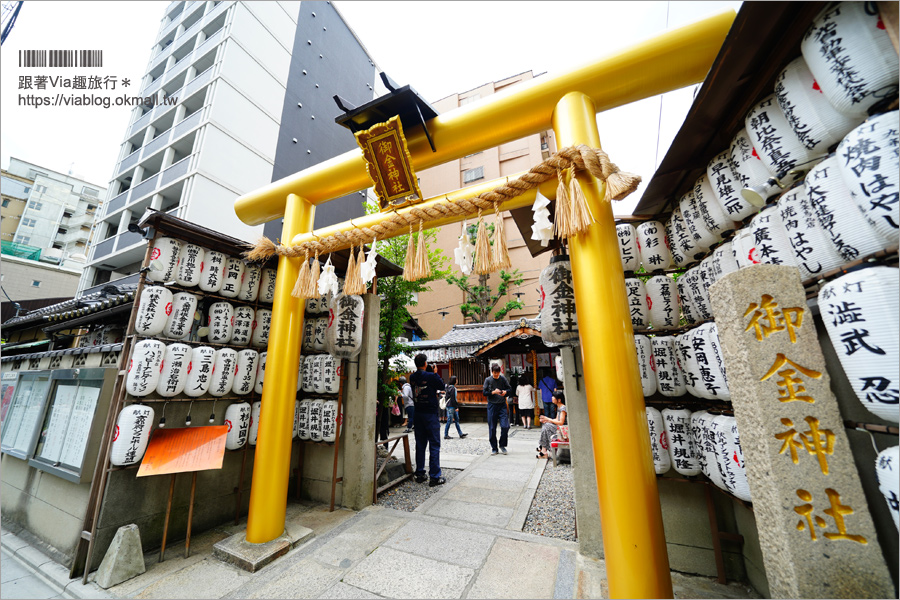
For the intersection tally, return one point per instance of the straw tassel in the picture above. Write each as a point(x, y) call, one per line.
point(312, 290)
point(409, 266)
point(581, 215)
point(423, 267)
point(620, 184)
point(563, 215)
point(483, 260)
point(300, 287)
point(353, 285)
point(264, 250)
point(360, 260)
point(501, 252)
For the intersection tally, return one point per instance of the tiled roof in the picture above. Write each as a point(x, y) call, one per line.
point(75, 351)
point(109, 296)
point(475, 334)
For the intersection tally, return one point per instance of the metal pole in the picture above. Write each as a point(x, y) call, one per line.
point(633, 538)
point(271, 468)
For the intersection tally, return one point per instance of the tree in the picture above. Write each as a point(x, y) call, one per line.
point(481, 299)
point(396, 296)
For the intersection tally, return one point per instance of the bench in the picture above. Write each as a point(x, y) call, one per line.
point(560, 441)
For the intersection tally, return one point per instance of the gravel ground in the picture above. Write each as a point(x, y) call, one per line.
point(409, 494)
point(552, 511)
point(465, 446)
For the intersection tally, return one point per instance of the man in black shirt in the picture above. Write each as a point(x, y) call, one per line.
point(496, 389)
point(427, 426)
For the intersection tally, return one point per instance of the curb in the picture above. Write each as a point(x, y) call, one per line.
point(48, 571)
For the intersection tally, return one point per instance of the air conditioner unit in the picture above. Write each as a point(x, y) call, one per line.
point(403, 340)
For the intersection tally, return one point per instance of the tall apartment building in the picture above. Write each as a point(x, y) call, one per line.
point(501, 161)
point(245, 97)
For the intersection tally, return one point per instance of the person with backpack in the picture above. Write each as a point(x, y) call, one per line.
point(427, 427)
point(452, 410)
point(406, 393)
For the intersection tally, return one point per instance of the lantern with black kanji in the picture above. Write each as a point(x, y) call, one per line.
point(343, 336)
point(659, 444)
point(886, 468)
point(237, 420)
point(682, 449)
point(559, 323)
point(131, 435)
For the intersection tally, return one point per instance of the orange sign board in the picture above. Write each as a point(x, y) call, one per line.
point(185, 449)
point(389, 163)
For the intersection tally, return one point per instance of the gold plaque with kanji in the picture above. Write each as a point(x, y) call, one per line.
point(389, 164)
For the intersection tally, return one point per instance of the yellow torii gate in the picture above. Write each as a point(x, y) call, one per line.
point(633, 539)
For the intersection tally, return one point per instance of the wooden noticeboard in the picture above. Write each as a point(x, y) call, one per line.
point(184, 449)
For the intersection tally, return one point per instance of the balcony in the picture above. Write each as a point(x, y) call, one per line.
point(127, 239)
point(153, 86)
point(79, 220)
point(145, 187)
point(140, 123)
point(158, 142)
point(118, 202)
point(72, 236)
point(197, 82)
point(130, 160)
point(103, 248)
point(187, 124)
point(177, 170)
point(211, 40)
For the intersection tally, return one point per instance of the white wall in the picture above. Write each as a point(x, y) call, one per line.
point(237, 114)
point(215, 209)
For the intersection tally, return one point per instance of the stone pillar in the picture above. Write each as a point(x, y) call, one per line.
point(590, 534)
point(358, 435)
point(815, 530)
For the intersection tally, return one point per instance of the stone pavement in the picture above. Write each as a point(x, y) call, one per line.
point(465, 541)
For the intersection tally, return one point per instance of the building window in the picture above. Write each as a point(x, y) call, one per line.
point(22, 239)
point(473, 175)
point(35, 283)
point(90, 192)
point(5, 203)
point(40, 189)
point(29, 222)
point(27, 190)
point(35, 205)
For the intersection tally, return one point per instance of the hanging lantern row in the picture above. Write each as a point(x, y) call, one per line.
point(319, 374)
point(318, 420)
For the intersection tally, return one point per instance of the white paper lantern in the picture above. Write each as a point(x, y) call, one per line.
point(744, 248)
point(682, 449)
point(654, 250)
point(850, 55)
point(267, 286)
point(173, 375)
point(212, 272)
point(814, 252)
point(237, 420)
point(318, 341)
point(636, 295)
point(303, 420)
point(814, 120)
point(703, 278)
point(678, 259)
point(296, 418)
point(730, 457)
point(693, 220)
point(558, 367)
point(315, 419)
point(659, 444)
point(645, 364)
point(628, 247)
point(722, 262)
point(250, 283)
point(332, 374)
point(261, 373)
point(224, 367)
point(181, 318)
point(199, 376)
point(243, 325)
point(190, 261)
point(245, 375)
point(699, 302)
point(683, 239)
point(331, 420)
point(669, 378)
point(262, 324)
point(684, 301)
point(559, 321)
point(312, 306)
point(715, 219)
point(712, 333)
point(306, 363)
point(726, 187)
point(318, 374)
point(717, 426)
point(770, 238)
point(153, 312)
point(776, 143)
point(255, 410)
point(232, 278)
point(859, 311)
point(144, 367)
point(131, 435)
point(309, 332)
point(691, 371)
point(748, 169)
point(220, 322)
point(164, 254)
point(869, 164)
point(708, 354)
point(886, 468)
point(704, 438)
point(662, 300)
point(838, 213)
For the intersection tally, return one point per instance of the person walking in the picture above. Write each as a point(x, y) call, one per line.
point(452, 410)
point(409, 406)
point(496, 389)
point(546, 386)
point(550, 426)
point(427, 427)
point(525, 393)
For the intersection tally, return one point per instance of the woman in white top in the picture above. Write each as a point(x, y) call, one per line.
point(525, 394)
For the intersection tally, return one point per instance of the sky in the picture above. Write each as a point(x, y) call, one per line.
point(439, 48)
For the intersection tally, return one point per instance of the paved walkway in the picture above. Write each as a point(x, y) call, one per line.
point(465, 541)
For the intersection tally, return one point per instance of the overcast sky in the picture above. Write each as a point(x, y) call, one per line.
point(437, 47)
